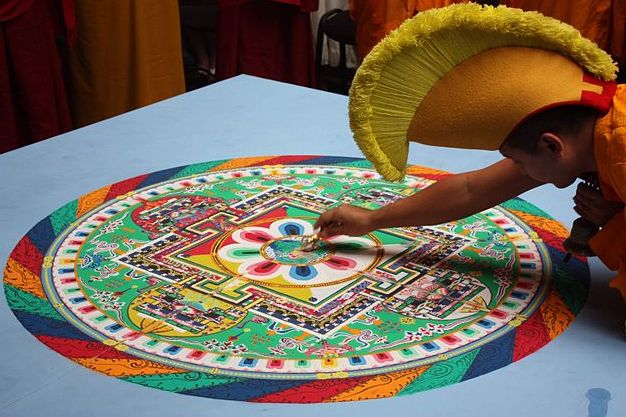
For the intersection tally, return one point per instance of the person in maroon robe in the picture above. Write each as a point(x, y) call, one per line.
point(268, 39)
point(33, 102)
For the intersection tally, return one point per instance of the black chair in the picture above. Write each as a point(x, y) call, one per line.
point(336, 24)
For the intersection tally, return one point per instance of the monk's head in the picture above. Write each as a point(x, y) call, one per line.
point(554, 146)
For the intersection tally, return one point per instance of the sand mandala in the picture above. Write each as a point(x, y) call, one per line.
point(193, 280)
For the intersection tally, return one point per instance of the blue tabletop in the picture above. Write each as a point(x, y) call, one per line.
point(246, 116)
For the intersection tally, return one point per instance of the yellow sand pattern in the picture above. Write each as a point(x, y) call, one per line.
point(380, 386)
point(549, 225)
point(241, 162)
point(419, 170)
point(556, 315)
point(18, 276)
point(92, 200)
point(126, 367)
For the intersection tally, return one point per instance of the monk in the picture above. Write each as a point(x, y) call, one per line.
point(559, 152)
point(552, 121)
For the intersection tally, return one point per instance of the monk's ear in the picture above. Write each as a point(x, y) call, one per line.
point(551, 144)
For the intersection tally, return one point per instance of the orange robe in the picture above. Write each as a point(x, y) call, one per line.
point(610, 153)
point(602, 21)
point(375, 18)
point(128, 54)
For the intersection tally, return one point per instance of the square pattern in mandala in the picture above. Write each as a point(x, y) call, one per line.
point(393, 278)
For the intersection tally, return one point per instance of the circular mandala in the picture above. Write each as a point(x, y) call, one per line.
point(193, 280)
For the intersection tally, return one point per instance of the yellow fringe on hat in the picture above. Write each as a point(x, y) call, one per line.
point(398, 73)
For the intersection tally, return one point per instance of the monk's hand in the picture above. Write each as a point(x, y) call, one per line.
point(590, 204)
point(345, 220)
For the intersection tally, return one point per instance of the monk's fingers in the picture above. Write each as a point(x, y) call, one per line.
point(325, 219)
point(578, 211)
point(332, 229)
point(589, 197)
point(330, 223)
point(596, 215)
point(582, 204)
point(320, 222)
point(583, 188)
point(585, 210)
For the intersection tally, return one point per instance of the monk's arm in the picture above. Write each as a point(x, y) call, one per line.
point(457, 196)
point(452, 198)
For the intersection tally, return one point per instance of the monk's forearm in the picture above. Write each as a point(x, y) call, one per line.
point(443, 201)
point(456, 197)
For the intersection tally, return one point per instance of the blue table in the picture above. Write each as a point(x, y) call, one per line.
point(247, 116)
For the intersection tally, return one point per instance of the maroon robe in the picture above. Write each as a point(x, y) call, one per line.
point(266, 38)
point(33, 103)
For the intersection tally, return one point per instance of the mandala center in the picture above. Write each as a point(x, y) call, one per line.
point(288, 251)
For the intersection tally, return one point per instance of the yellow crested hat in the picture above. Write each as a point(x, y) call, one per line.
point(466, 76)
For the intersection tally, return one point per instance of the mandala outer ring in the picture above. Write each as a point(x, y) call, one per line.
point(34, 308)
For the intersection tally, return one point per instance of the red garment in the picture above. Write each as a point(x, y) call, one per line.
point(10, 9)
point(269, 39)
point(63, 17)
point(33, 104)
